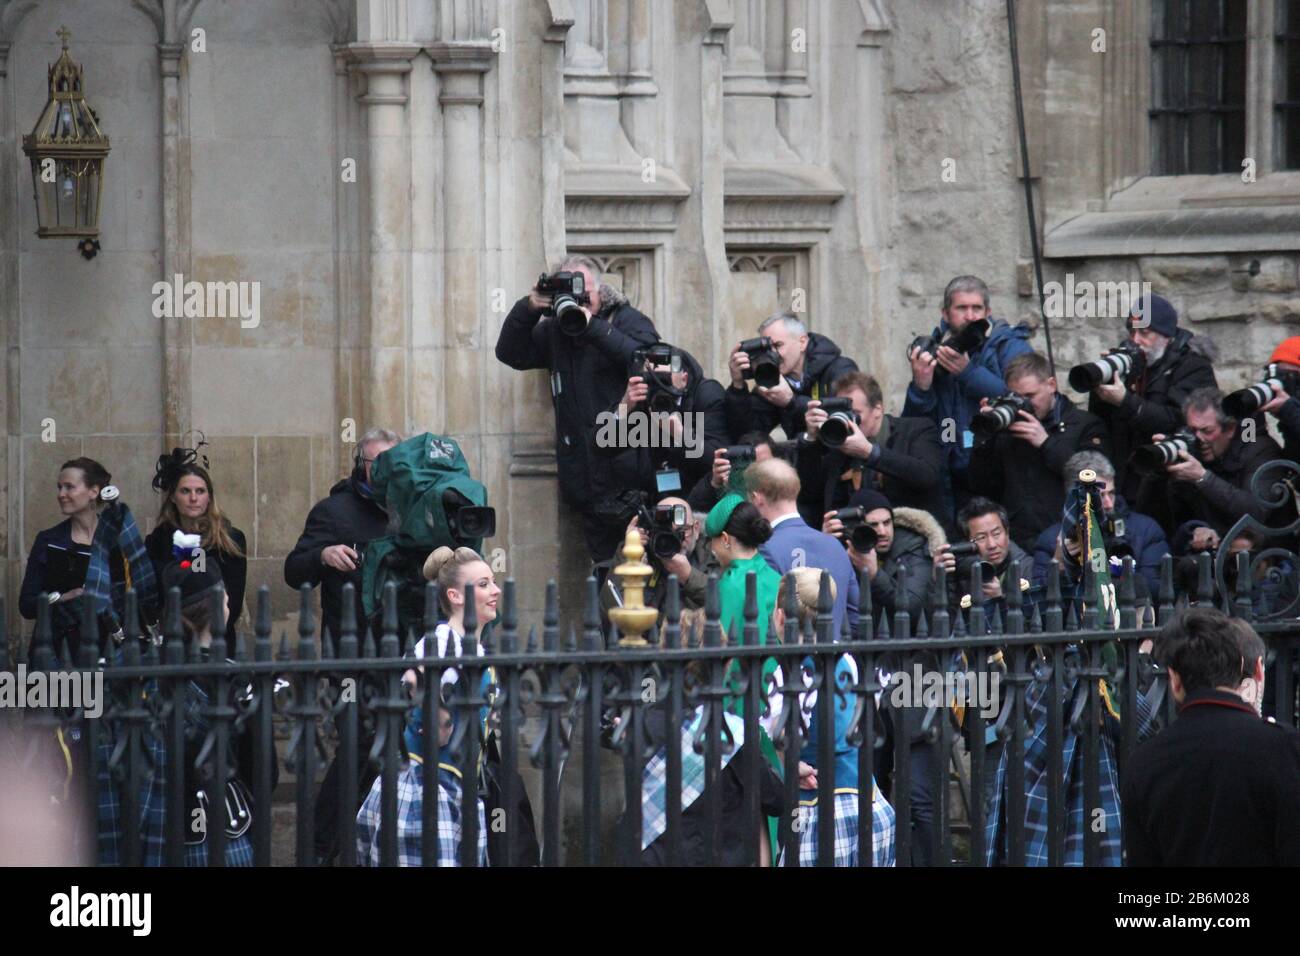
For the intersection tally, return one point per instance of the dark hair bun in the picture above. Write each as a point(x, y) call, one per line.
point(747, 526)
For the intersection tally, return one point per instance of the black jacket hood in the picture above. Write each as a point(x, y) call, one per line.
point(820, 353)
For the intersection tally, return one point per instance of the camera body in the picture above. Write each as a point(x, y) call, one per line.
point(1247, 401)
point(764, 361)
point(662, 395)
point(970, 338)
point(1121, 364)
point(1001, 414)
point(1154, 457)
point(837, 428)
point(857, 532)
point(568, 292)
point(666, 525)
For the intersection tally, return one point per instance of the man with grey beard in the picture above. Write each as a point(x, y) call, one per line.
point(1150, 401)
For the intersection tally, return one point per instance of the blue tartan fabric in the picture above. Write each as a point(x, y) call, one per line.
point(1078, 818)
point(654, 779)
point(410, 823)
point(239, 852)
point(846, 829)
point(153, 820)
point(117, 529)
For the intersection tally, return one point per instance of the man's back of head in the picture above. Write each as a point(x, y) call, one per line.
point(773, 487)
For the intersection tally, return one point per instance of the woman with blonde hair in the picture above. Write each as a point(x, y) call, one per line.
point(190, 506)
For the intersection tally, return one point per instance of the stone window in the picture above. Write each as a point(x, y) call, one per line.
point(1287, 58)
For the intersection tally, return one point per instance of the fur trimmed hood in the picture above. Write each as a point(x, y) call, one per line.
point(922, 523)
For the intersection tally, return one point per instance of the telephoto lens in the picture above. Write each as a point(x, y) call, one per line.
point(1247, 401)
point(962, 549)
point(1000, 414)
point(1154, 457)
point(569, 314)
point(764, 362)
point(835, 431)
point(735, 453)
point(1117, 365)
point(859, 534)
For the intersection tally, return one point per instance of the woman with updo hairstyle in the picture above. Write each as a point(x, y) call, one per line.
point(57, 563)
point(190, 505)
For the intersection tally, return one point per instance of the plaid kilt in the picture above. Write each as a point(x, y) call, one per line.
point(410, 822)
point(153, 819)
point(239, 852)
point(846, 830)
point(1077, 818)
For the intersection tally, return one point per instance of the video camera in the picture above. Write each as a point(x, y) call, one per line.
point(666, 525)
point(568, 292)
point(1151, 458)
point(971, 337)
point(466, 520)
point(764, 361)
point(1121, 364)
point(663, 395)
point(1001, 414)
point(861, 535)
point(835, 431)
point(1247, 401)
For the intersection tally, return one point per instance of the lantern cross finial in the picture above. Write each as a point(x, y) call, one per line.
point(64, 34)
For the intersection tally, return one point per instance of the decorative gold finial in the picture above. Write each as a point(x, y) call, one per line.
point(633, 619)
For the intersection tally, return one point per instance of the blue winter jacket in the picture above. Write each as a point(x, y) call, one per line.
point(959, 398)
point(1144, 535)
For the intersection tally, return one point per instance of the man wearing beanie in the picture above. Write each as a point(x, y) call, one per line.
point(1286, 407)
point(1176, 364)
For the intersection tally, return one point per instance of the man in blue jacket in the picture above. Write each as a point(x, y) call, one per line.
point(947, 386)
point(1140, 533)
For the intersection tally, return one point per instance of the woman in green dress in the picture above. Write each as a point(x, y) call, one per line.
point(736, 530)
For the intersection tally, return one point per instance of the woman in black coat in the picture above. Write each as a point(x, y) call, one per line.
point(190, 506)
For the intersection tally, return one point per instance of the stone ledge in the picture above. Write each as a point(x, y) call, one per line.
point(1175, 232)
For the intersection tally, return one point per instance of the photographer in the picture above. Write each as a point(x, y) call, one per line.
point(1284, 406)
point(1174, 364)
point(983, 523)
point(799, 365)
point(588, 374)
point(752, 448)
point(905, 538)
point(899, 457)
point(689, 564)
point(686, 418)
point(947, 383)
point(1205, 486)
point(1126, 533)
point(1022, 463)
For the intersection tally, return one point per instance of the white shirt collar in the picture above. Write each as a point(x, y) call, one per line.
point(784, 517)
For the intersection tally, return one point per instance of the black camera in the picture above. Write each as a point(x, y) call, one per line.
point(663, 395)
point(971, 337)
point(764, 361)
point(1247, 401)
point(1153, 457)
point(739, 453)
point(962, 549)
point(568, 292)
point(1000, 414)
point(835, 431)
point(666, 525)
point(861, 535)
point(466, 520)
point(1120, 364)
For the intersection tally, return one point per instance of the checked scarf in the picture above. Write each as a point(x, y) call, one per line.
point(654, 779)
point(117, 529)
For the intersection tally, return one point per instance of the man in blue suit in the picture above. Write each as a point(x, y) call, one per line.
point(773, 487)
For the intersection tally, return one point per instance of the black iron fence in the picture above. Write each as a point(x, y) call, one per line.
point(1063, 677)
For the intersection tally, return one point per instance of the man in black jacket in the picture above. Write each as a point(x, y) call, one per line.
point(1200, 497)
point(1176, 364)
point(1023, 464)
point(589, 372)
point(899, 457)
point(809, 364)
point(984, 524)
point(1218, 786)
point(338, 529)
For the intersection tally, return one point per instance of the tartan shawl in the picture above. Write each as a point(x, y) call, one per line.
point(117, 529)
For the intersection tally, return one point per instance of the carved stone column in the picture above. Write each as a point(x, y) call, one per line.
point(177, 398)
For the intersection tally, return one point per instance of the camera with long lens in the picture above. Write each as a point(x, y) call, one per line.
point(764, 361)
point(568, 293)
point(666, 525)
point(858, 533)
point(646, 363)
point(466, 520)
point(1247, 401)
point(1121, 364)
point(1153, 457)
point(963, 549)
point(1000, 414)
point(837, 428)
point(971, 337)
point(739, 454)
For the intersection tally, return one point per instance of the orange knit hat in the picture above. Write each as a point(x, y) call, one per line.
point(1288, 351)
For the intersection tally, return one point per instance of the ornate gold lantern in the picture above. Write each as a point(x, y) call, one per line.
point(67, 150)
